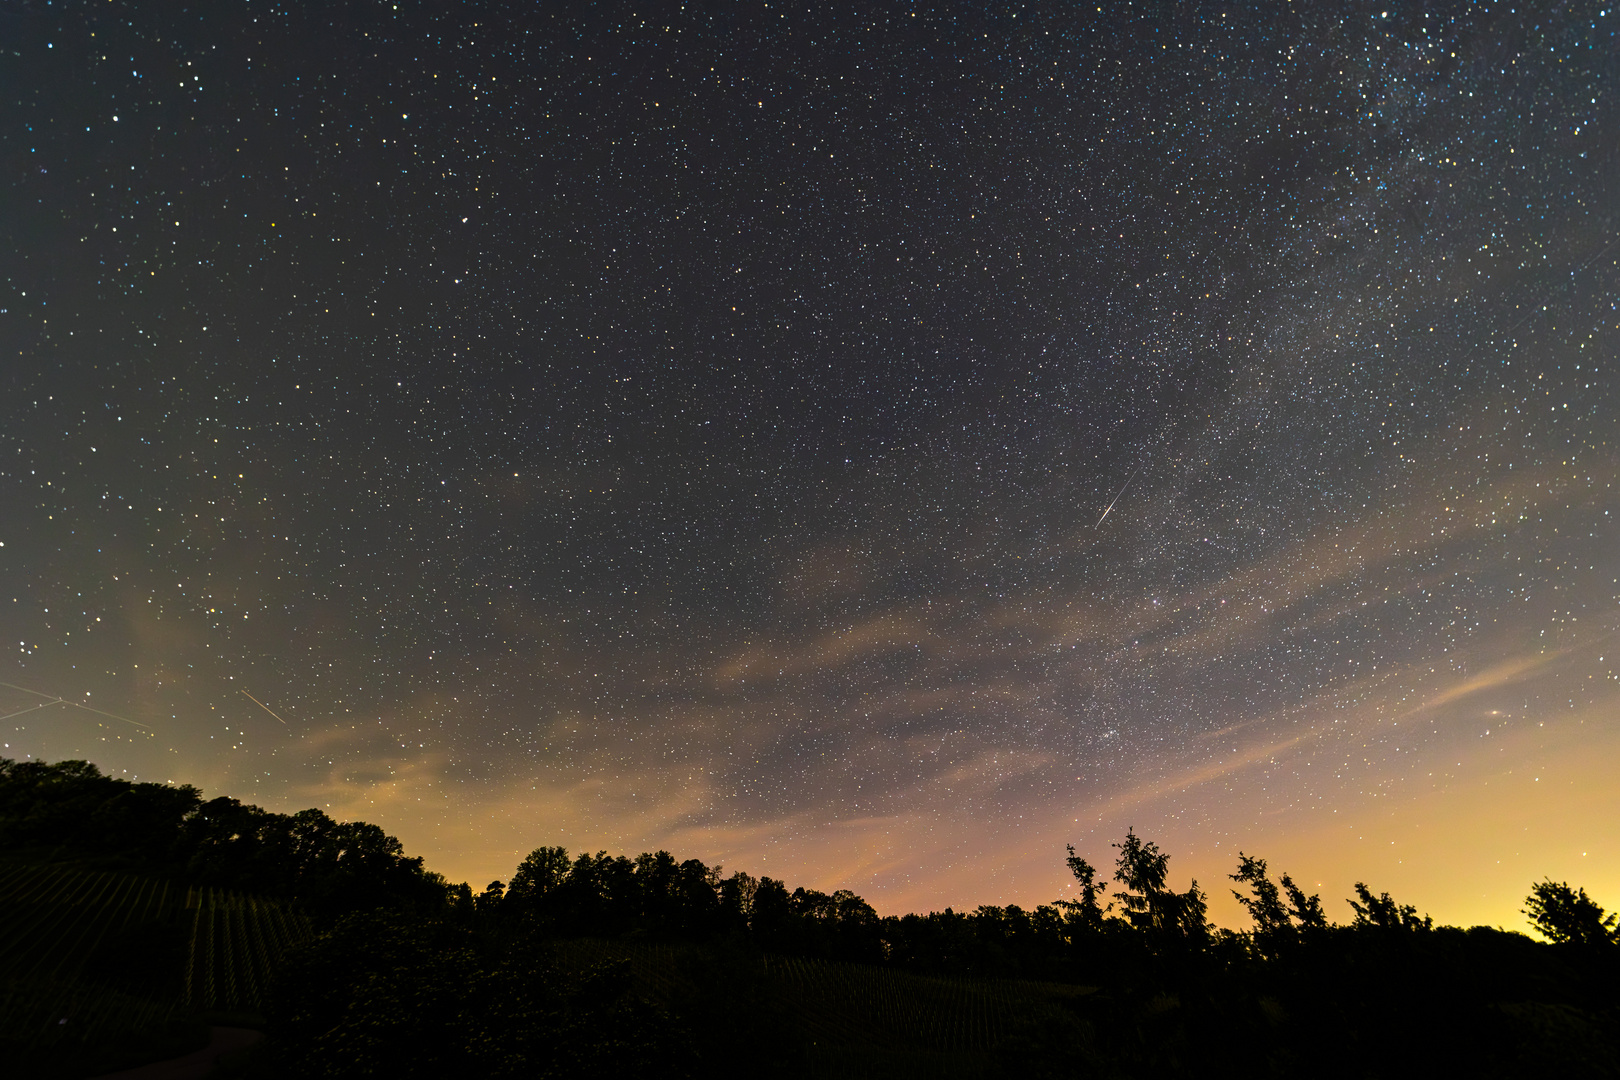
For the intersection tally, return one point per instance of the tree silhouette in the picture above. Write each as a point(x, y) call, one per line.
point(695, 897)
point(737, 900)
point(1567, 916)
point(489, 901)
point(771, 913)
point(1143, 868)
point(1275, 918)
point(1089, 907)
point(1307, 910)
point(1153, 906)
point(1265, 907)
point(541, 872)
point(1382, 912)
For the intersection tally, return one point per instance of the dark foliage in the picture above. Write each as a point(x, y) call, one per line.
point(384, 994)
point(69, 809)
point(415, 977)
point(1570, 917)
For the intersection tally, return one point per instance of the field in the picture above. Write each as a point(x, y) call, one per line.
point(855, 1020)
point(234, 943)
point(87, 954)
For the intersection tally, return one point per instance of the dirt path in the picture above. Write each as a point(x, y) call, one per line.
point(197, 1064)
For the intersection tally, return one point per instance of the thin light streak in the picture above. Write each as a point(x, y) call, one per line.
point(36, 693)
point(59, 700)
point(263, 706)
point(34, 708)
point(115, 716)
point(1110, 509)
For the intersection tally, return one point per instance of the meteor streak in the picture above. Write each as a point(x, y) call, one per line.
point(58, 700)
point(263, 706)
point(1127, 484)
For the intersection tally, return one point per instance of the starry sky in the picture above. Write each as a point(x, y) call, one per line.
point(869, 449)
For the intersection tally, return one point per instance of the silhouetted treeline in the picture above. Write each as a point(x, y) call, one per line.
point(653, 895)
point(69, 809)
point(1385, 993)
point(412, 976)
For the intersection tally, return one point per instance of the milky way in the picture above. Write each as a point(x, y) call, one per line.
point(692, 427)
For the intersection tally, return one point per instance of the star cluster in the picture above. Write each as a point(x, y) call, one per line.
point(869, 449)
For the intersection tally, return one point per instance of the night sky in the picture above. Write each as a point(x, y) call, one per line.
point(869, 450)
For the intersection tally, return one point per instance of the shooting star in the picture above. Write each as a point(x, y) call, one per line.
point(58, 700)
point(265, 707)
point(33, 708)
point(1127, 484)
point(1535, 310)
